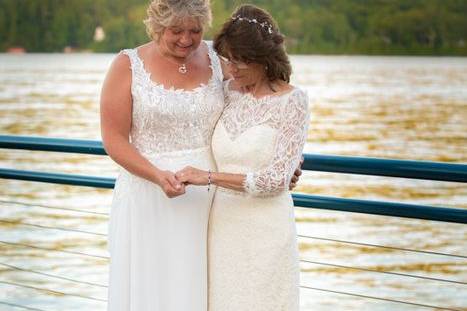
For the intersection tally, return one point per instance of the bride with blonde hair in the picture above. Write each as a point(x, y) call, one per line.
point(159, 105)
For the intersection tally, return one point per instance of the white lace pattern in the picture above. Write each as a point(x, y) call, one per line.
point(168, 120)
point(288, 115)
point(253, 253)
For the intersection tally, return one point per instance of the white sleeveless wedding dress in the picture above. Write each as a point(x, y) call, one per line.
point(158, 246)
point(253, 253)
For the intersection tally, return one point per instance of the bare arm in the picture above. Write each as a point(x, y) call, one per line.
point(237, 181)
point(194, 176)
point(115, 113)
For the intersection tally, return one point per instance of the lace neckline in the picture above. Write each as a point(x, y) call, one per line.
point(163, 87)
point(252, 98)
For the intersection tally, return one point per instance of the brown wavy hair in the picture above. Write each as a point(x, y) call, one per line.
point(251, 42)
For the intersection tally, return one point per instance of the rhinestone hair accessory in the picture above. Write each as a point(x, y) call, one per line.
point(265, 25)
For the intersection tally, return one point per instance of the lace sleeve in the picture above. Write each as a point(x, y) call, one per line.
point(288, 149)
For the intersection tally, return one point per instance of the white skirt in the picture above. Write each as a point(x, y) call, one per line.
point(158, 246)
point(253, 253)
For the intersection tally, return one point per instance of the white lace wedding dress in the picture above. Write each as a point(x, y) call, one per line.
point(253, 254)
point(158, 246)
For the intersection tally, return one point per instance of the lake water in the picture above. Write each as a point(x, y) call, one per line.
point(394, 107)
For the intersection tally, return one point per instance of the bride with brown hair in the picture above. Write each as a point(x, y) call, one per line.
point(257, 143)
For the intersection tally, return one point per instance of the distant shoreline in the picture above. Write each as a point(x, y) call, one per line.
point(291, 54)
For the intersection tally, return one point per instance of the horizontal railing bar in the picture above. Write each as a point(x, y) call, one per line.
point(302, 260)
point(302, 236)
point(54, 207)
point(82, 146)
point(386, 167)
point(382, 246)
point(455, 215)
point(48, 227)
point(51, 275)
point(378, 298)
point(302, 200)
point(19, 306)
point(54, 250)
point(58, 178)
point(54, 292)
point(328, 163)
point(383, 272)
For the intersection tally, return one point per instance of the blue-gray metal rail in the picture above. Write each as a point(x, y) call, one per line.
point(339, 164)
point(313, 162)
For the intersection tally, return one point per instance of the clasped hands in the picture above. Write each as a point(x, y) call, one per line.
point(173, 184)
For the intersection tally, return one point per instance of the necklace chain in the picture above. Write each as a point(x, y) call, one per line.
point(181, 67)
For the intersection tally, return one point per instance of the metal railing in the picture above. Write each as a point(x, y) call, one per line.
point(338, 164)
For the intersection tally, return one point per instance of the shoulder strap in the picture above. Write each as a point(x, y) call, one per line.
point(131, 53)
point(215, 62)
point(137, 66)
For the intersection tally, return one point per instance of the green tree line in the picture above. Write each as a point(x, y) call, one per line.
point(405, 27)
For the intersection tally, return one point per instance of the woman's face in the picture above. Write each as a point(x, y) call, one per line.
point(244, 73)
point(183, 38)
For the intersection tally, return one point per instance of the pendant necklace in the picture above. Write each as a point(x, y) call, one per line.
point(181, 67)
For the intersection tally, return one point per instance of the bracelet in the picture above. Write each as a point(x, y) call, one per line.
point(209, 180)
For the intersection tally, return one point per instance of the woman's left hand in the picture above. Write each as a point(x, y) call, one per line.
point(193, 176)
point(296, 175)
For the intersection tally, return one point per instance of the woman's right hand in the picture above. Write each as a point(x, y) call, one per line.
point(169, 184)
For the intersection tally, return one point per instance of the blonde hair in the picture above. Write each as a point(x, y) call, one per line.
point(165, 13)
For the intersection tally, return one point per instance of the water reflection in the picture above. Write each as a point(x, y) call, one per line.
point(397, 107)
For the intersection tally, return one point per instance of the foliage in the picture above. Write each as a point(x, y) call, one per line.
point(421, 27)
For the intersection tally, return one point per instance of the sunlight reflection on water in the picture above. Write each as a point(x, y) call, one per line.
point(397, 107)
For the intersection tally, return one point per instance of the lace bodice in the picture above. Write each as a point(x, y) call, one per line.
point(262, 138)
point(170, 120)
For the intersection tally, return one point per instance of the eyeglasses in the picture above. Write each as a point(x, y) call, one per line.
point(236, 63)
